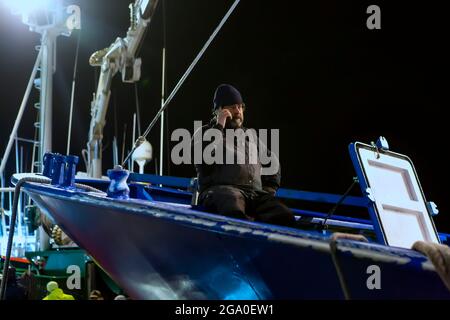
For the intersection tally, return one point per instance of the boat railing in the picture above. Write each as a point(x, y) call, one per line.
point(23, 241)
point(169, 188)
point(283, 193)
point(186, 183)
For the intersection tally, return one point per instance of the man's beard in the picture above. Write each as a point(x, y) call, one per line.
point(234, 123)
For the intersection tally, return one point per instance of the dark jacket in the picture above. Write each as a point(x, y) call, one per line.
point(244, 176)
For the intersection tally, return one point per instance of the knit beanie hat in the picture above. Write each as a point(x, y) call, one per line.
point(226, 95)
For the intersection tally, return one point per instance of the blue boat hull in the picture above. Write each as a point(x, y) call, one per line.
point(156, 250)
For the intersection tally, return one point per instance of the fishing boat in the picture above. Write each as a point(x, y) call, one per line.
point(149, 235)
point(157, 245)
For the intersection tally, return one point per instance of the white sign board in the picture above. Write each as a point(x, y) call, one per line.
point(399, 201)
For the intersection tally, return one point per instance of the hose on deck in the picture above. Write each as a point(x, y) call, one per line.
point(439, 255)
point(334, 256)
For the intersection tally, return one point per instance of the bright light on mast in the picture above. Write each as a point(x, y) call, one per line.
point(27, 6)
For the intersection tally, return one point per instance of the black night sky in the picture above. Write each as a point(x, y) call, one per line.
point(309, 68)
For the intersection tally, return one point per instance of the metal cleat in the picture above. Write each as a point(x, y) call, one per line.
point(382, 143)
point(432, 209)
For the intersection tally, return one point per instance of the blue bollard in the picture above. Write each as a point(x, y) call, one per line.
point(70, 171)
point(47, 164)
point(58, 169)
point(118, 187)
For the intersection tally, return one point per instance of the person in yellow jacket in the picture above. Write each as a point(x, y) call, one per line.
point(55, 293)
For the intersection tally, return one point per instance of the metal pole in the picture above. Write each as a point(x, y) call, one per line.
point(35, 146)
point(2, 208)
point(17, 156)
point(20, 114)
point(46, 112)
point(2, 212)
point(2, 186)
point(115, 153)
point(21, 213)
point(138, 111)
point(90, 277)
point(161, 143)
point(21, 160)
point(124, 137)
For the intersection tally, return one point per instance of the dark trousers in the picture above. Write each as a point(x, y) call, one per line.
point(251, 205)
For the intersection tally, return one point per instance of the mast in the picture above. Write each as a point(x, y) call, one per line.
point(46, 99)
point(161, 148)
point(60, 21)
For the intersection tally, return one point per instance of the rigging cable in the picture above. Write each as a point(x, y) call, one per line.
point(182, 80)
point(73, 93)
point(324, 224)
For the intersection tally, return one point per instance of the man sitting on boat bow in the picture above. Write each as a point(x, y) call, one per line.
point(238, 189)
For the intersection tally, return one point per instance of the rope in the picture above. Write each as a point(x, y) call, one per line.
point(337, 266)
point(440, 257)
point(88, 188)
point(334, 256)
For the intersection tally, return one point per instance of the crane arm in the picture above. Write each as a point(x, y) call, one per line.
point(120, 56)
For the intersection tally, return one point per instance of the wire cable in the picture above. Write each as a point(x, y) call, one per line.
point(182, 80)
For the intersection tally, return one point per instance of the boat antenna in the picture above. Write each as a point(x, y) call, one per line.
point(141, 139)
point(324, 225)
point(69, 134)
